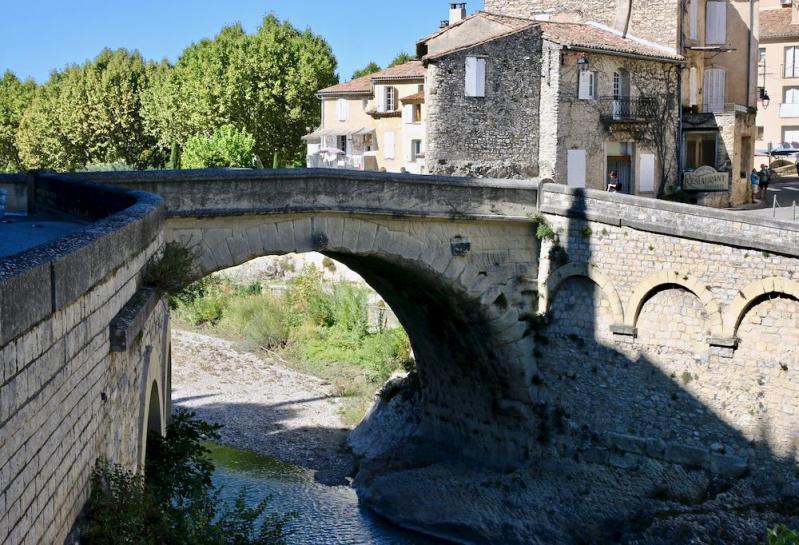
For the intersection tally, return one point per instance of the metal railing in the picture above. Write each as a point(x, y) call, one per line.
point(778, 205)
point(628, 109)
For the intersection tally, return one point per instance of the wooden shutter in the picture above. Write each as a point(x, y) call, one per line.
point(716, 22)
point(693, 93)
point(575, 167)
point(407, 114)
point(715, 89)
point(647, 173)
point(693, 14)
point(388, 145)
point(584, 85)
point(342, 107)
point(480, 76)
point(408, 150)
point(790, 62)
point(380, 94)
point(471, 76)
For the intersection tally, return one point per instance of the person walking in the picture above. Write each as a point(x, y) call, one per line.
point(755, 179)
point(613, 182)
point(764, 179)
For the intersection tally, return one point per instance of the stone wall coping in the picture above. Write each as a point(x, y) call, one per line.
point(717, 226)
point(36, 283)
point(132, 319)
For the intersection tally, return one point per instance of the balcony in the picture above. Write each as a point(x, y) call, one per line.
point(627, 110)
point(789, 110)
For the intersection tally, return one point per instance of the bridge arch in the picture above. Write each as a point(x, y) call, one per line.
point(751, 296)
point(466, 319)
point(585, 270)
point(685, 280)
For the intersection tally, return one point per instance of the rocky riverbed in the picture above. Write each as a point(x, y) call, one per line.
point(264, 405)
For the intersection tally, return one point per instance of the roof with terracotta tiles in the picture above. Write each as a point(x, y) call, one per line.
point(363, 85)
point(587, 36)
point(775, 24)
point(416, 97)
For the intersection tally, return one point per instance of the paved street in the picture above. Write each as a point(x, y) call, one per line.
point(784, 192)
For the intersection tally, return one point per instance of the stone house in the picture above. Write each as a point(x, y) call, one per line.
point(376, 120)
point(517, 97)
point(778, 76)
point(718, 39)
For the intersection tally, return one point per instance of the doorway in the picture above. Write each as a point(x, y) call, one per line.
point(619, 160)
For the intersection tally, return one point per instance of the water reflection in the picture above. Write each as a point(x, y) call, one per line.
point(327, 515)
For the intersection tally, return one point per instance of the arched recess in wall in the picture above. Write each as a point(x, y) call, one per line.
point(470, 336)
point(653, 283)
point(557, 278)
point(151, 402)
point(753, 294)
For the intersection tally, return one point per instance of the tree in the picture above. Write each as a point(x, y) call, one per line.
point(227, 147)
point(15, 97)
point(90, 114)
point(264, 84)
point(370, 68)
point(401, 58)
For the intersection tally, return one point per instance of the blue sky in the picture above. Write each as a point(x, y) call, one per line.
point(37, 36)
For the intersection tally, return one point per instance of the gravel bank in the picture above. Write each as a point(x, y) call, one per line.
point(263, 405)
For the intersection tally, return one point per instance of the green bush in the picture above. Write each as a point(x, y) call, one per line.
point(259, 319)
point(176, 503)
point(170, 271)
point(782, 536)
point(227, 147)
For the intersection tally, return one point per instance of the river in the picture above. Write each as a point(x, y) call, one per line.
point(326, 515)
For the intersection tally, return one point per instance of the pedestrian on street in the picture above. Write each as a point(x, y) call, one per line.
point(764, 178)
point(755, 179)
point(613, 182)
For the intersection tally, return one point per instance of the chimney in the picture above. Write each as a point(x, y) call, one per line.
point(457, 13)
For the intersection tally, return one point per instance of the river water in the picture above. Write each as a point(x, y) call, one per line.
point(326, 515)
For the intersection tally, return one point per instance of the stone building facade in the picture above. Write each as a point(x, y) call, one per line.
point(718, 40)
point(566, 101)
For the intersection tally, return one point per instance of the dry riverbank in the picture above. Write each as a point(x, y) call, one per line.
point(263, 405)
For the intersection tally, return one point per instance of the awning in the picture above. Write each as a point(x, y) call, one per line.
point(338, 131)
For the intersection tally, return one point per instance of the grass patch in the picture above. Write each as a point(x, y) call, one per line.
point(319, 328)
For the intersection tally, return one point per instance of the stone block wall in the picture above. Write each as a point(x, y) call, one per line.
point(64, 399)
point(700, 365)
point(495, 135)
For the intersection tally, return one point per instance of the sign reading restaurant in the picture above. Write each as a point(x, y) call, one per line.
point(706, 179)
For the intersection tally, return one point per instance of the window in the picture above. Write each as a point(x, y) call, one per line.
point(342, 107)
point(693, 14)
point(475, 77)
point(716, 22)
point(715, 90)
point(790, 134)
point(364, 104)
point(386, 98)
point(700, 149)
point(341, 142)
point(416, 149)
point(791, 95)
point(417, 113)
point(587, 85)
point(621, 84)
point(760, 133)
point(792, 62)
point(388, 145)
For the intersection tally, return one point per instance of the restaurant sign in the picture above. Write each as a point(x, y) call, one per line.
point(706, 179)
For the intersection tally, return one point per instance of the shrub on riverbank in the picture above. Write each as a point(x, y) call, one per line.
point(176, 503)
point(323, 329)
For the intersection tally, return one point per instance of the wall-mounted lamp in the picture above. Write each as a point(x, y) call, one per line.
point(764, 98)
point(582, 62)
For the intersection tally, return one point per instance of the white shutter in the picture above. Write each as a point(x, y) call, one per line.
point(693, 10)
point(471, 76)
point(408, 150)
point(380, 94)
point(343, 109)
point(790, 62)
point(480, 76)
point(584, 86)
point(715, 89)
point(692, 85)
point(716, 22)
point(575, 167)
point(407, 114)
point(388, 145)
point(792, 96)
point(647, 173)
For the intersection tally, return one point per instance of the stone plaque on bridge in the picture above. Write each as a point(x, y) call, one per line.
point(706, 179)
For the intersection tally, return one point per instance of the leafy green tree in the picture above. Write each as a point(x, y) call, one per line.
point(370, 68)
point(90, 114)
point(227, 147)
point(401, 58)
point(264, 84)
point(15, 98)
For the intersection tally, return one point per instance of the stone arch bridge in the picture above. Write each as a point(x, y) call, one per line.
point(553, 328)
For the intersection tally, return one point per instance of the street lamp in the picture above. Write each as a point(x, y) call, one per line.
point(764, 98)
point(582, 62)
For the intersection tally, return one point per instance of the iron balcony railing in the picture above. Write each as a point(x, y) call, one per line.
point(628, 109)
